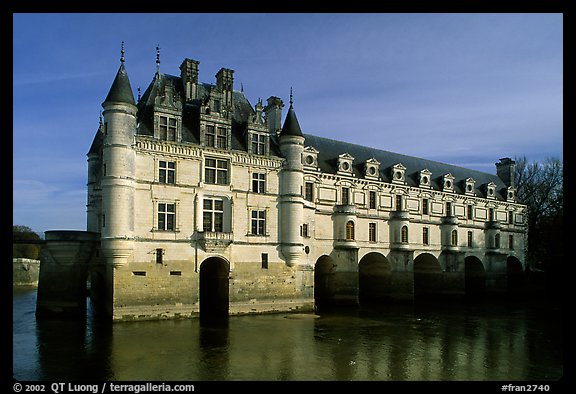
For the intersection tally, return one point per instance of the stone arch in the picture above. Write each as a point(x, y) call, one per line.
point(474, 277)
point(324, 290)
point(374, 273)
point(515, 277)
point(99, 293)
point(214, 295)
point(427, 275)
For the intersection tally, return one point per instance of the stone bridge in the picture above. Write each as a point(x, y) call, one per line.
point(69, 264)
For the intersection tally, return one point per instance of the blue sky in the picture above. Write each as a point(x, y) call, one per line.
point(465, 89)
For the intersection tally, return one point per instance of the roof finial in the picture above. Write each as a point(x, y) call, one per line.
point(242, 87)
point(290, 96)
point(100, 120)
point(158, 58)
point(139, 93)
point(122, 54)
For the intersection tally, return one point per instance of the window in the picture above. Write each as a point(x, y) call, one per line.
point(309, 191)
point(448, 208)
point(404, 234)
point(213, 215)
point(345, 196)
point(372, 200)
point(210, 136)
point(216, 106)
point(425, 236)
point(511, 242)
point(264, 260)
point(103, 220)
point(258, 144)
point(350, 231)
point(159, 254)
point(216, 171)
point(469, 211)
point(510, 217)
point(167, 172)
point(166, 217)
point(491, 214)
point(372, 232)
point(497, 241)
point(259, 222)
point(258, 183)
point(454, 238)
point(424, 206)
point(104, 169)
point(167, 131)
point(305, 230)
point(469, 239)
point(222, 138)
point(398, 202)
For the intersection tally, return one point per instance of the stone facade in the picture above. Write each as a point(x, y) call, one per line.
point(207, 204)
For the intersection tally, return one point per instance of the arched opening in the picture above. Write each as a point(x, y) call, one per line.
point(98, 292)
point(214, 287)
point(474, 277)
point(427, 276)
point(514, 274)
point(324, 281)
point(374, 279)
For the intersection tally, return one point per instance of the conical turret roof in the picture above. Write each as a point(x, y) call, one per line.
point(121, 91)
point(291, 125)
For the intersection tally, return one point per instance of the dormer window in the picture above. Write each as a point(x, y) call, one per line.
point(345, 164)
point(371, 169)
point(398, 172)
point(167, 128)
point(216, 136)
point(469, 185)
point(216, 105)
point(310, 157)
point(424, 177)
point(491, 190)
point(258, 143)
point(510, 194)
point(448, 183)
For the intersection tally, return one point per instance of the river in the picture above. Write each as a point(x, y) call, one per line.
point(509, 341)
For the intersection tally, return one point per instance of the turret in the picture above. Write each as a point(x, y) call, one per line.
point(118, 170)
point(291, 182)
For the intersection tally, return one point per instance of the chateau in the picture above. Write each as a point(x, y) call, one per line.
point(206, 204)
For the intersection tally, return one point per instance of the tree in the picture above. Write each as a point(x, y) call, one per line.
point(21, 234)
point(540, 187)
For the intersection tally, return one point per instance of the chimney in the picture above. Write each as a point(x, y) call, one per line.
point(189, 75)
point(273, 111)
point(505, 170)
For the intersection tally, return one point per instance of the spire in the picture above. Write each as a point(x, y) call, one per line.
point(121, 91)
point(291, 125)
point(158, 59)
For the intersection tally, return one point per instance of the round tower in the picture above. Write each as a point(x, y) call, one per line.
point(291, 182)
point(118, 170)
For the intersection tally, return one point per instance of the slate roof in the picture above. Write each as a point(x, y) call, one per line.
point(291, 125)
point(330, 149)
point(121, 91)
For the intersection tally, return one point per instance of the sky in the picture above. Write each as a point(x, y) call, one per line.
point(464, 89)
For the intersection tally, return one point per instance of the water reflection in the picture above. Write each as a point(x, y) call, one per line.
point(392, 343)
